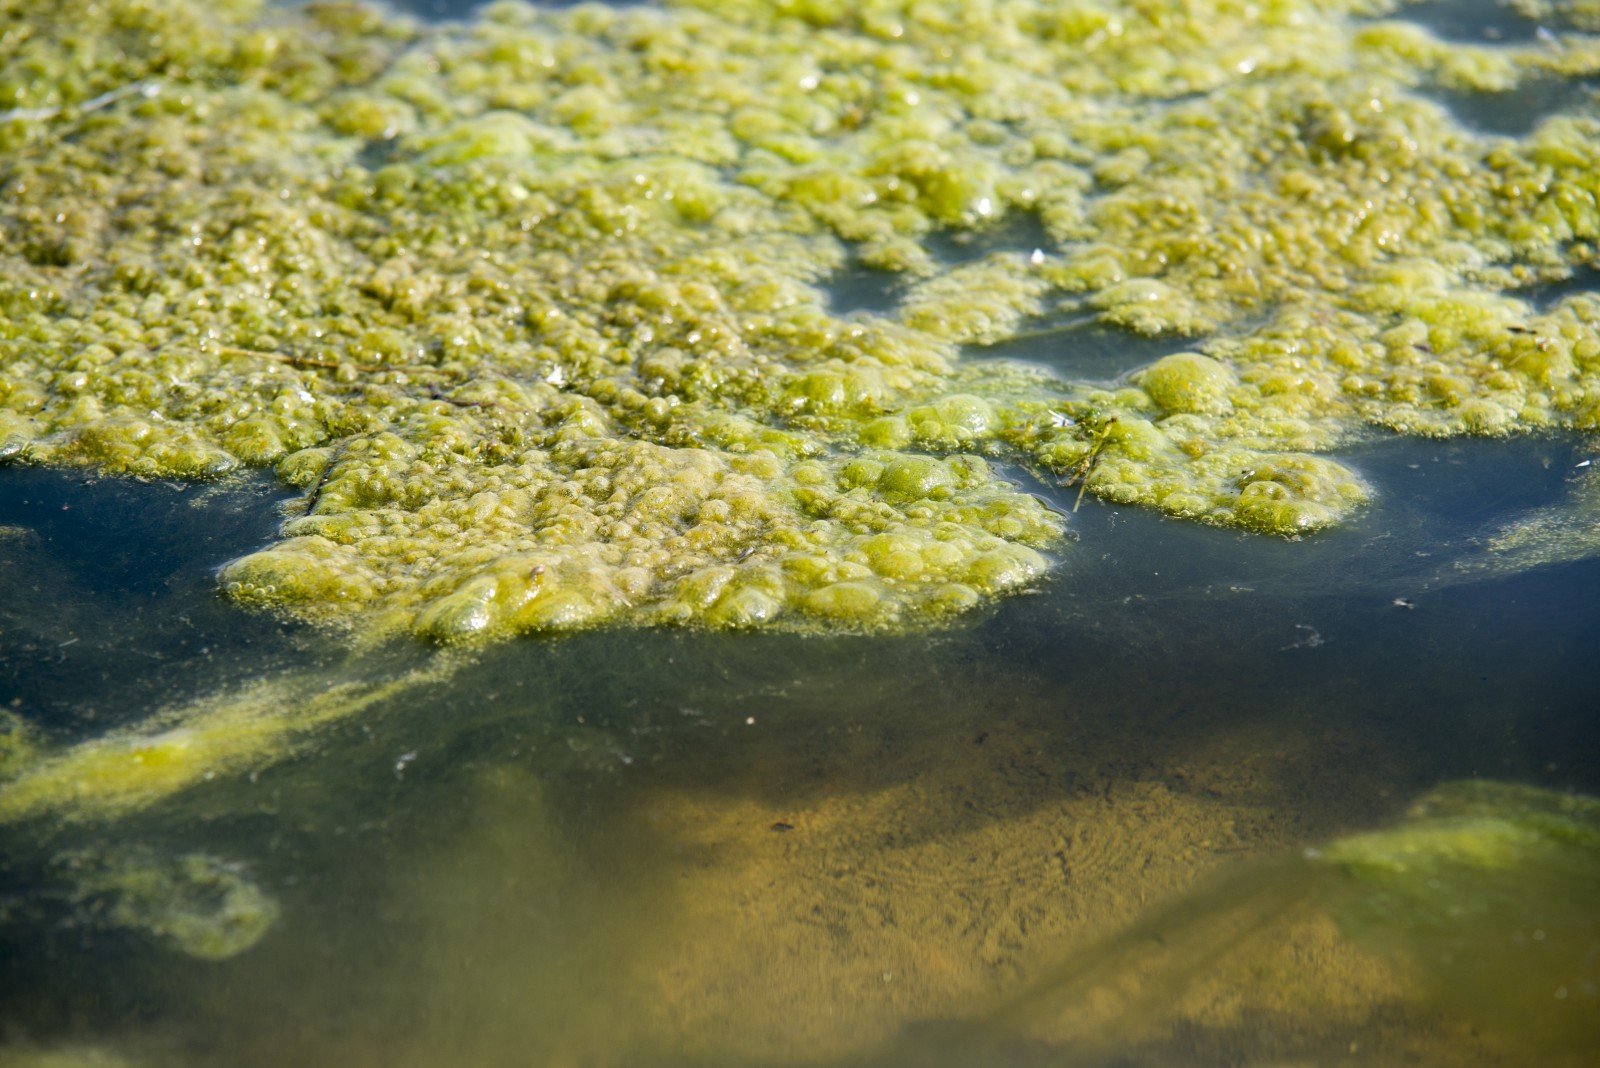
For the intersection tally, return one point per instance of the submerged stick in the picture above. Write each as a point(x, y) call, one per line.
point(1087, 467)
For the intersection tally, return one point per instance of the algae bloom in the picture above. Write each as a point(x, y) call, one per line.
point(535, 310)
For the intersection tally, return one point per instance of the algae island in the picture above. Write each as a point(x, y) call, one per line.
point(536, 309)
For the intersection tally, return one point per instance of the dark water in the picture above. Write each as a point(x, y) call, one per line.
point(1472, 21)
point(654, 846)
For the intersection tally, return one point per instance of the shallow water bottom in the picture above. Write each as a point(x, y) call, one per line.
point(1070, 831)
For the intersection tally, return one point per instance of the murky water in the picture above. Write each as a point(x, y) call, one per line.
point(1072, 830)
point(631, 847)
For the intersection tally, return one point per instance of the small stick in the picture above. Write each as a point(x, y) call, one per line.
point(1051, 331)
point(322, 480)
point(303, 362)
point(1089, 461)
point(104, 100)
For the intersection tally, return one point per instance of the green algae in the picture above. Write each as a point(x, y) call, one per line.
point(196, 904)
point(19, 1056)
point(533, 309)
point(1556, 534)
point(193, 743)
point(1497, 838)
point(1489, 890)
point(19, 743)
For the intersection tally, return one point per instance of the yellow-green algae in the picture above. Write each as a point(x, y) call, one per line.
point(197, 904)
point(215, 736)
point(532, 308)
point(1554, 534)
point(23, 1056)
point(1490, 888)
point(18, 742)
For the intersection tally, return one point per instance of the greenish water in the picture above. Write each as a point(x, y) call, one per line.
point(627, 847)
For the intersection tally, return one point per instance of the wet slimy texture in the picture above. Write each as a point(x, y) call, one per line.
point(533, 309)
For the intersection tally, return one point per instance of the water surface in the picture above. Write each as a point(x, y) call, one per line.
point(627, 846)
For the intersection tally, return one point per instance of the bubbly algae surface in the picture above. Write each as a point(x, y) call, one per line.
point(535, 309)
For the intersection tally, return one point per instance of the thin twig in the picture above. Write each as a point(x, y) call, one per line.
point(322, 479)
point(1086, 466)
point(104, 100)
point(301, 362)
point(1057, 330)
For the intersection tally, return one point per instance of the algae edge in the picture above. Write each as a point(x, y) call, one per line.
point(534, 309)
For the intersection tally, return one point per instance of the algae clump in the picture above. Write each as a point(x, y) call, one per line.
point(534, 309)
point(200, 741)
point(197, 904)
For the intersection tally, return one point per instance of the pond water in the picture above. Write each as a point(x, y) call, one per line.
point(635, 847)
point(1082, 827)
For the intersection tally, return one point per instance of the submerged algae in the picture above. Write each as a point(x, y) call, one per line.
point(533, 308)
point(197, 904)
point(1479, 901)
point(1490, 888)
point(19, 1056)
point(125, 771)
point(1554, 534)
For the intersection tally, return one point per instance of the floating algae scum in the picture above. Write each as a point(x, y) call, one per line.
point(750, 354)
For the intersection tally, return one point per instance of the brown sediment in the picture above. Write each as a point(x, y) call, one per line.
point(809, 910)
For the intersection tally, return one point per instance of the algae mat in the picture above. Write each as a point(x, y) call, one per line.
point(535, 308)
point(679, 316)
